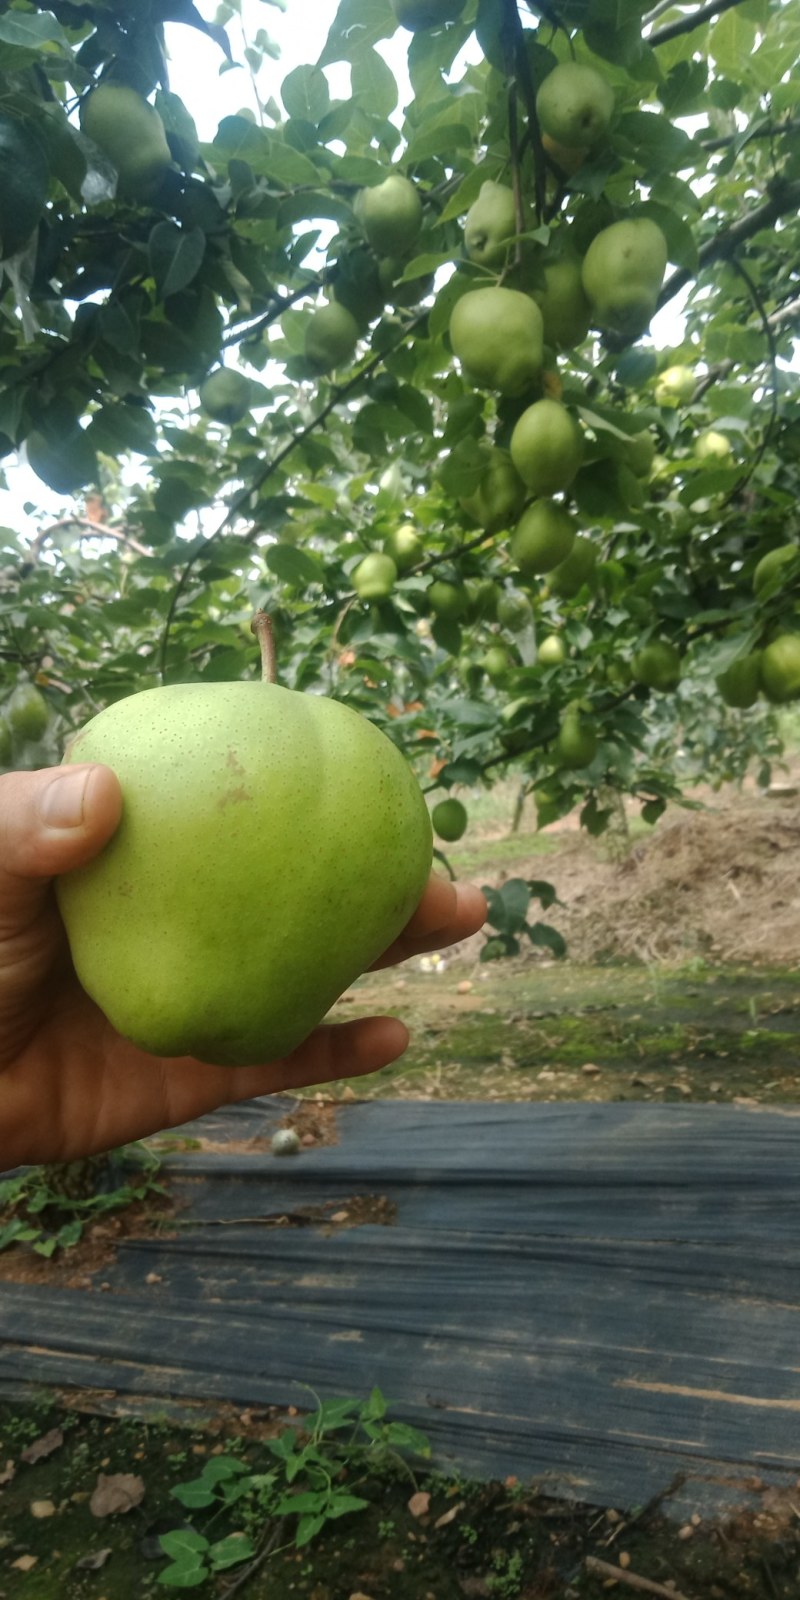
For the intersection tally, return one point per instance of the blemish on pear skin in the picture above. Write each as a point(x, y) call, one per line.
point(233, 797)
point(232, 761)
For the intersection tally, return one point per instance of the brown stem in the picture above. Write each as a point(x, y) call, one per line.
point(722, 245)
point(261, 626)
point(687, 24)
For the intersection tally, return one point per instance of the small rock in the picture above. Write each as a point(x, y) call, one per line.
point(41, 1509)
point(154, 1277)
point(686, 1531)
point(590, 1069)
point(286, 1142)
point(340, 1216)
point(308, 1139)
point(419, 1503)
point(465, 987)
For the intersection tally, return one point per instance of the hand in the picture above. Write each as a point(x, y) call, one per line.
point(69, 1085)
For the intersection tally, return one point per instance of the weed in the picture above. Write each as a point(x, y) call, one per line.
point(36, 1210)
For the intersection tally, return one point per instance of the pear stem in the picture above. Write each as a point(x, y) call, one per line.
point(261, 626)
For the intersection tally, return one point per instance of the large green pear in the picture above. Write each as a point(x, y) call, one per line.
point(552, 651)
point(390, 214)
point(711, 445)
point(420, 15)
point(771, 567)
point(26, 712)
point(130, 132)
point(658, 666)
point(780, 668)
point(449, 819)
point(547, 447)
point(375, 576)
point(543, 537)
point(565, 309)
point(272, 845)
point(225, 395)
point(740, 683)
point(497, 335)
point(623, 271)
point(331, 337)
point(500, 495)
point(404, 546)
point(567, 579)
point(490, 225)
point(576, 744)
point(675, 386)
point(575, 105)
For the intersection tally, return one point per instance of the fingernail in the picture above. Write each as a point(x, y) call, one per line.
point(61, 805)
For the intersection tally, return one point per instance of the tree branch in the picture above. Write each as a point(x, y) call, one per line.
point(723, 245)
point(92, 530)
point(695, 19)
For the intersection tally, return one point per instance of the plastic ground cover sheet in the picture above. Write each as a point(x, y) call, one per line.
point(603, 1296)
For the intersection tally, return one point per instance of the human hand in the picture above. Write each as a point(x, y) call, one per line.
point(69, 1084)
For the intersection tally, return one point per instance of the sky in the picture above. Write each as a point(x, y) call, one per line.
point(300, 33)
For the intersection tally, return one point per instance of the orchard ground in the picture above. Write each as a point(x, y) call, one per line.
point(678, 986)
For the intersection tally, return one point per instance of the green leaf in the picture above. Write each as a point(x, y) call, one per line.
point(231, 1551)
point(732, 41)
point(180, 1576)
point(373, 83)
point(541, 934)
point(654, 141)
point(305, 93)
point(357, 26)
point(175, 257)
point(295, 566)
point(180, 129)
point(185, 1543)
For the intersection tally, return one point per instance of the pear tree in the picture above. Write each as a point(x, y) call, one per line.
point(482, 381)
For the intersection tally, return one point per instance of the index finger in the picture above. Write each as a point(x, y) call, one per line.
point(447, 913)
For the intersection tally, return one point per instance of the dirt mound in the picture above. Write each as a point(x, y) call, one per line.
point(722, 883)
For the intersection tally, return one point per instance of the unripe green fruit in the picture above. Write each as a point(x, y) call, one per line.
point(64, 467)
point(420, 15)
point(623, 271)
point(575, 105)
point(576, 745)
point(565, 309)
point(225, 395)
point(26, 713)
point(500, 495)
point(552, 651)
point(375, 577)
point(641, 454)
point(5, 743)
point(547, 447)
point(484, 596)
point(449, 818)
point(658, 666)
point(514, 611)
point(390, 215)
point(496, 662)
point(780, 668)
point(568, 578)
point(404, 546)
point(542, 538)
point(497, 335)
point(450, 601)
point(331, 337)
point(712, 446)
point(490, 226)
point(772, 564)
point(675, 386)
point(739, 685)
point(131, 134)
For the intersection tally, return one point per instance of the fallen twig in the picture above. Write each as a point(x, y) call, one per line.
point(604, 1569)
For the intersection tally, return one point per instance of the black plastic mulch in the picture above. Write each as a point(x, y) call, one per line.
point(605, 1295)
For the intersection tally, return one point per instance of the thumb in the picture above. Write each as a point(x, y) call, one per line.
point(50, 821)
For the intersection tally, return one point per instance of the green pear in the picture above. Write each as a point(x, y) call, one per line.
point(675, 386)
point(712, 446)
point(576, 745)
point(772, 565)
point(497, 335)
point(6, 745)
point(331, 337)
point(568, 578)
point(375, 577)
point(641, 453)
point(552, 651)
point(131, 134)
point(739, 685)
point(26, 712)
point(547, 447)
point(780, 668)
point(622, 273)
point(658, 666)
point(543, 537)
point(390, 215)
point(500, 495)
point(404, 546)
point(421, 15)
point(484, 597)
point(273, 844)
point(491, 225)
point(496, 662)
point(450, 601)
point(566, 312)
point(449, 818)
point(225, 395)
point(575, 105)
point(514, 611)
